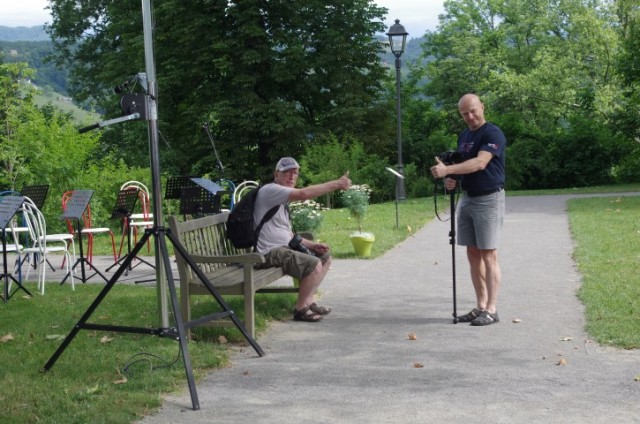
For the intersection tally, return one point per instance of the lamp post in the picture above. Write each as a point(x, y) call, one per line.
point(397, 40)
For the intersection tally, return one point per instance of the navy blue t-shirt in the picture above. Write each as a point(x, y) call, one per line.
point(488, 138)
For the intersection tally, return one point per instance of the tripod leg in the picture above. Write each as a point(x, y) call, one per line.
point(177, 315)
point(81, 323)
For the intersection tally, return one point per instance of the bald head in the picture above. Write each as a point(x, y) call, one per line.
point(472, 111)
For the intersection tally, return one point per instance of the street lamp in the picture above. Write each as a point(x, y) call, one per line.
point(397, 40)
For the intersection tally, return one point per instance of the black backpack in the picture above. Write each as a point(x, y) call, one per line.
point(241, 228)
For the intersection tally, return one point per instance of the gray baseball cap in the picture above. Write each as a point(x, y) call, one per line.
point(287, 163)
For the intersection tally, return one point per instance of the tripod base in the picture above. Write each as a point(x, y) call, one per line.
point(179, 332)
point(6, 295)
point(83, 277)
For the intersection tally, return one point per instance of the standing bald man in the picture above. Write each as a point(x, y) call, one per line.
point(481, 211)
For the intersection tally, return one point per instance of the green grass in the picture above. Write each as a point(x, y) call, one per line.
point(380, 220)
point(620, 188)
point(88, 382)
point(607, 236)
point(102, 377)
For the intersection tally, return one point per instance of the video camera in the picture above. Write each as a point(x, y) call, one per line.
point(451, 157)
point(296, 244)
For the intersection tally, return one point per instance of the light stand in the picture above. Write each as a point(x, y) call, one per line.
point(163, 263)
point(397, 41)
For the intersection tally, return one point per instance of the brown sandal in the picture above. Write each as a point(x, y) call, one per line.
point(306, 314)
point(322, 310)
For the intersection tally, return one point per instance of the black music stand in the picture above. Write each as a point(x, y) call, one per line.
point(213, 188)
point(176, 184)
point(199, 201)
point(9, 205)
point(74, 210)
point(37, 194)
point(124, 207)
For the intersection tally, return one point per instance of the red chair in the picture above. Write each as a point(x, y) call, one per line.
point(87, 229)
point(143, 219)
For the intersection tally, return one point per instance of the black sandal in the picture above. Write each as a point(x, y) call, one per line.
point(322, 310)
point(475, 313)
point(306, 314)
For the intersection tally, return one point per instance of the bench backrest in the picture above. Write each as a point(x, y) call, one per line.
point(204, 236)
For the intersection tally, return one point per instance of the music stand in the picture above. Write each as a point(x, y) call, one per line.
point(37, 194)
point(203, 198)
point(9, 205)
point(123, 208)
point(198, 201)
point(175, 184)
point(76, 205)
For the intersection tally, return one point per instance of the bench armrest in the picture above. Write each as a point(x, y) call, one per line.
point(248, 258)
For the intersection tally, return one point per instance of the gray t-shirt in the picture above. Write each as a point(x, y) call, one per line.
point(277, 231)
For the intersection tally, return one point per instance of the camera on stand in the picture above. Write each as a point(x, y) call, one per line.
point(451, 157)
point(296, 244)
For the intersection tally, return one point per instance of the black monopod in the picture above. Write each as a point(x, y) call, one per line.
point(448, 158)
point(452, 241)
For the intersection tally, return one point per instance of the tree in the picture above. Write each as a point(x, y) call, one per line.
point(268, 76)
point(541, 67)
point(42, 146)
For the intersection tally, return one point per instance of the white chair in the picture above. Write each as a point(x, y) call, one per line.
point(242, 189)
point(41, 245)
point(66, 238)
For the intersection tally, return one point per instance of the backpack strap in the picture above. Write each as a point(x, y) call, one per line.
point(267, 216)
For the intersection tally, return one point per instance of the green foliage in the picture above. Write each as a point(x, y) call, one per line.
point(356, 200)
point(42, 146)
point(547, 75)
point(268, 76)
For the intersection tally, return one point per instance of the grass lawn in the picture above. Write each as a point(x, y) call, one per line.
point(105, 377)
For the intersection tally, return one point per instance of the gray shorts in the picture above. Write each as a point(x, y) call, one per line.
point(294, 263)
point(480, 220)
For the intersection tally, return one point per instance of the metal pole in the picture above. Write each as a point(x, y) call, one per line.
point(155, 159)
point(400, 193)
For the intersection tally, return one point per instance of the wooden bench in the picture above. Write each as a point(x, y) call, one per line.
point(231, 271)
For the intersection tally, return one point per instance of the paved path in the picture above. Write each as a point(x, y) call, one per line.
point(359, 366)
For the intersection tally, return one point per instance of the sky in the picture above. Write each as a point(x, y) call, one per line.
point(417, 16)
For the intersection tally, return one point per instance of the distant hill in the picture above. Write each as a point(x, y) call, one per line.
point(34, 33)
point(35, 54)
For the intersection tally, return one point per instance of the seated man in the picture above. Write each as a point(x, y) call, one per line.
point(274, 238)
